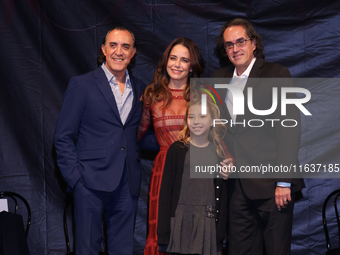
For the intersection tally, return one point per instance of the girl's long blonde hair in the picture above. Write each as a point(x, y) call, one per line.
point(215, 134)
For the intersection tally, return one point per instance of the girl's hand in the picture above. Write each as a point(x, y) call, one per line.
point(227, 164)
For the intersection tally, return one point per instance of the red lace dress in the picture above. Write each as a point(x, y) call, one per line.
point(167, 123)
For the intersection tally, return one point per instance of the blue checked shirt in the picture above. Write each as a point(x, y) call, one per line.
point(124, 101)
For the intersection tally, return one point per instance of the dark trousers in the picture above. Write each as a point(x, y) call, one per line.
point(257, 224)
point(120, 211)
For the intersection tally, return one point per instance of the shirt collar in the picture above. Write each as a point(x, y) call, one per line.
point(111, 78)
point(247, 71)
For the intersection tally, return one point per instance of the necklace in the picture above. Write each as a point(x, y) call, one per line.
point(175, 90)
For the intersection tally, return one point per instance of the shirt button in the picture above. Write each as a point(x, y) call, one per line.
point(217, 187)
point(122, 148)
point(217, 199)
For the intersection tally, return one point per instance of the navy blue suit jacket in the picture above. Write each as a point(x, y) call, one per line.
point(92, 143)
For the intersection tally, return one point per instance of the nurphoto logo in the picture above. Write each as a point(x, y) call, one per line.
point(238, 100)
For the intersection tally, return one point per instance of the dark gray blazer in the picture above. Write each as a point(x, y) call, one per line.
point(253, 146)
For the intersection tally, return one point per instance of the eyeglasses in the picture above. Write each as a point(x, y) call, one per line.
point(239, 43)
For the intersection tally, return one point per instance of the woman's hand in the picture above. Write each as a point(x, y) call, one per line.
point(226, 164)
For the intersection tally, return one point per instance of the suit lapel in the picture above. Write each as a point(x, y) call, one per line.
point(257, 68)
point(251, 82)
point(135, 98)
point(228, 73)
point(104, 86)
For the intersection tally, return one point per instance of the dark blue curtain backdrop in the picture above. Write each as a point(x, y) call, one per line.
point(46, 42)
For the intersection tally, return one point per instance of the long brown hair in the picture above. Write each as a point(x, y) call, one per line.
point(215, 134)
point(158, 89)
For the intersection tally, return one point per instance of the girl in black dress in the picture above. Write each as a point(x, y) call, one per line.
point(193, 204)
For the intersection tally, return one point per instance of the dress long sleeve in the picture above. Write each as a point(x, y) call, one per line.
point(144, 123)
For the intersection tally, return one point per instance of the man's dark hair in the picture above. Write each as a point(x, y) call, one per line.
point(101, 56)
point(258, 52)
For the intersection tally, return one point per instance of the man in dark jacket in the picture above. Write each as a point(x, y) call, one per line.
point(260, 210)
point(96, 143)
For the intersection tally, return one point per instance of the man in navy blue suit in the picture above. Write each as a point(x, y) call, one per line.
point(96, 143)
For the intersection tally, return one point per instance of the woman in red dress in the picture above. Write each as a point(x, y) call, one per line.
point(165, 102)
